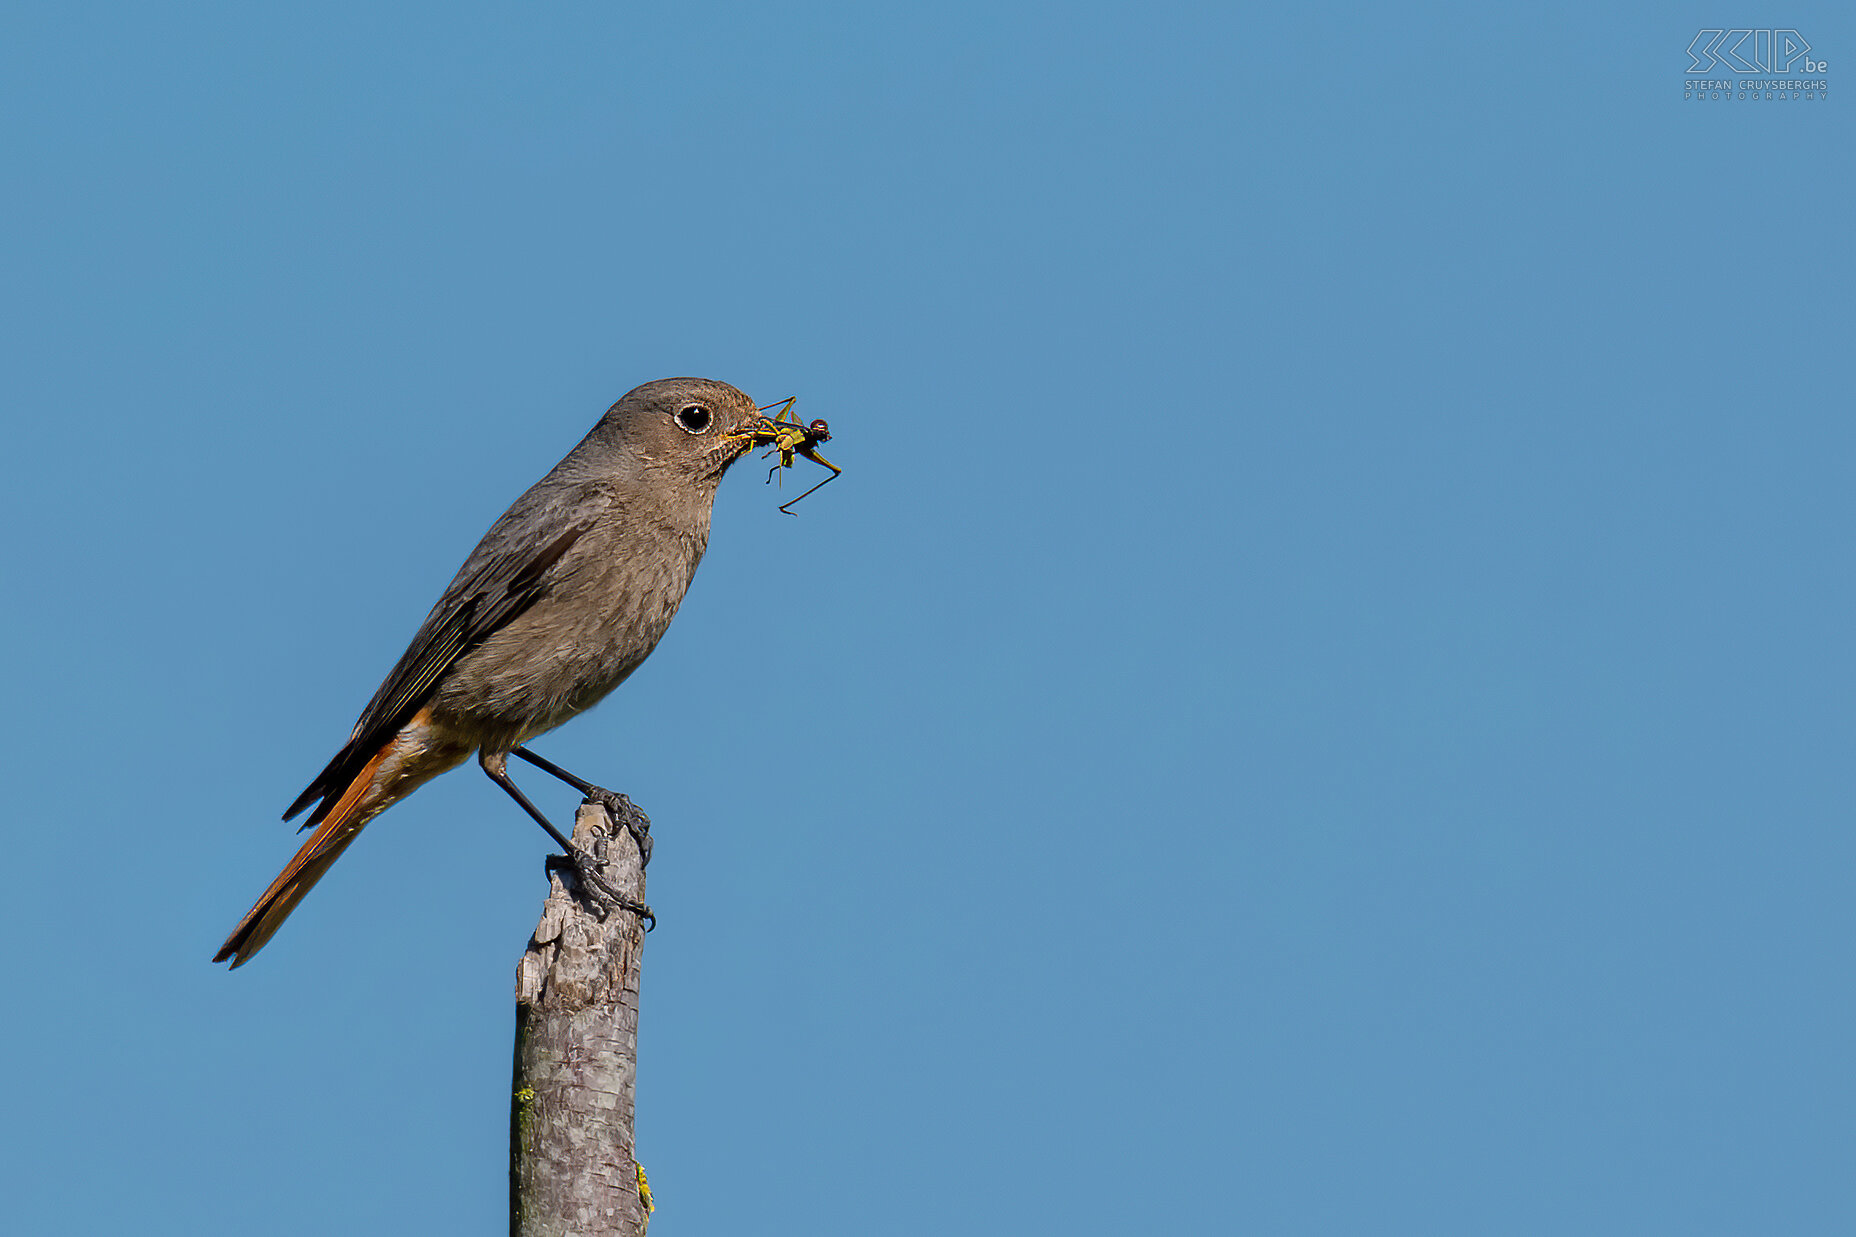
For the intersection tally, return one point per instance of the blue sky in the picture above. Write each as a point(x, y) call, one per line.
point(1320, 704)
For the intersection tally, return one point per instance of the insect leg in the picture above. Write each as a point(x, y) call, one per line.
point(816, 458)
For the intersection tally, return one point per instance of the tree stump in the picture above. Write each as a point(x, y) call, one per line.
point(571, 1166)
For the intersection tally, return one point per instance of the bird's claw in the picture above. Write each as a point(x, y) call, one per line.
point(600, 895)
point(624, 812)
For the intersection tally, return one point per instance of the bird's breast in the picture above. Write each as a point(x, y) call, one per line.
point(611, 602)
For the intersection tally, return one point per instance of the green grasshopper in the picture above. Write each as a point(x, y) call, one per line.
point(784, 433)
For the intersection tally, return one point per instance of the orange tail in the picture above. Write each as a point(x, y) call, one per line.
point(402, 766)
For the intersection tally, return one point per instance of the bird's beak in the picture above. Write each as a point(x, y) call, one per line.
point(756, 429)
point(738, 441)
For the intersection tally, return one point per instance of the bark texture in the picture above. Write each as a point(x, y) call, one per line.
point(571, 1171)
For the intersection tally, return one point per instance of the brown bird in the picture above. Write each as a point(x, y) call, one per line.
point(562, 599)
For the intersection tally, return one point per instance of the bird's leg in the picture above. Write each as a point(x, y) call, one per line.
point(584, 865)
point(621, 809)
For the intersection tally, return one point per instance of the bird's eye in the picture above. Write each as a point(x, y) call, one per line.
point(694, 419)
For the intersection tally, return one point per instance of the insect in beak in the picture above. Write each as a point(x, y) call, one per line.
point(784, 434)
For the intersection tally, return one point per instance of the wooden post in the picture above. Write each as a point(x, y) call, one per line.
point(571, 1171)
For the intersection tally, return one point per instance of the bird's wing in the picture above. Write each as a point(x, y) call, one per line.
point(505, 575)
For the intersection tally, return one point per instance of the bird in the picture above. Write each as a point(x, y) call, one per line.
point(567, 593)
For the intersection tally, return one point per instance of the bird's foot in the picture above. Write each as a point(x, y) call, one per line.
point(598, 893)
point(626, 813)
